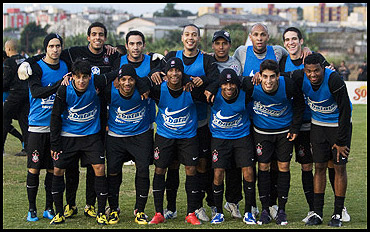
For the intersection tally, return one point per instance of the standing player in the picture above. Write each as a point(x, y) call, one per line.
point(331, 130)
point(129, 134)
point(75, 127)
point(43, 83)
point(176, 130)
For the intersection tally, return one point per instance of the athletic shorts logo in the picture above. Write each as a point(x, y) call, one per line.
point(214, 156)
point(301, 151)
point(156, 153)
point(35, 156)
point(259, 149)
point(106, 59)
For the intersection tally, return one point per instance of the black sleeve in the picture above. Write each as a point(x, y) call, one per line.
point(298, 104)
point(102, 80)
point(297, 76)
point(36, 88)
point(248, 87)
point(198, 94)
point(211, 69)
point(56, 119)
point(33, 59)
point(282, 66)
point(339, 91)
point(8, 74)
point(162, 63)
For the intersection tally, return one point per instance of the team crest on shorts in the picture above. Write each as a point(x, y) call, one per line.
point(259, 149)
point(215, 156)
point(156, 153)
point(106, 59)
point(301, 151)
point(35, 156)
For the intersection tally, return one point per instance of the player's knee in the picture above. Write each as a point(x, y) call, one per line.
point(264, 166)
point(160, 171)
point(99, 169)
point(307, 167)
point(34, 171)
point(58, 171)
point(190, 170)
point(248, 173)
point(284, 166)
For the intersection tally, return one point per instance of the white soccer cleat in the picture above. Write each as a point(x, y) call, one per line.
point(233, 209)
point(345, 215)
point(168, 214)
point(24, 71)
point(255, 211)
point(201, 214)
point(309, 214)
point(273, 211)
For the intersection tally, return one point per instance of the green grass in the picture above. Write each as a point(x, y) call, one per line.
point(15, 203)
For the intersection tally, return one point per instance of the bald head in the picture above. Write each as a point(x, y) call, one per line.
point(259, 27)
point(10, 47)
point(259, 36)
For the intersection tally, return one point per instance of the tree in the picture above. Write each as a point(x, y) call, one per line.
point(300, 13)
point(30, 32)
point(170, 11)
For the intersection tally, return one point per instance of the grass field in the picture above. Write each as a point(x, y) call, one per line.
point(15, 203)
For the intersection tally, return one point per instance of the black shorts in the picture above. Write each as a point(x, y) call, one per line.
point(226, 150)
point(204, 136)
point(269, 145)
point(302, 148)
point(38, 151)
point(165, 150)
point(122, 149)
point(89, 148)
point(322, 140)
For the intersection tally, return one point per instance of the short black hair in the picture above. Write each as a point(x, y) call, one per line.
point(97, 24)
point(314, 58)
point(135, 33)
point(295, 30)
point(270, 65)
point(191, 25)
point(81, 67)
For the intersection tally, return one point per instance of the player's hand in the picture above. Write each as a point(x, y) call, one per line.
point(210, 97)
point(256, 80)
point(330, 67)
point(197, 81)
point(24, 71)
point(110, 50)
point(55, 154)
point(116, 83)
point(341, 150)
point(188, 86)
point(66, 79)
point(145, 95)
point(305, 53)
point(157, 56)
point(291, 136)
point(156, 77)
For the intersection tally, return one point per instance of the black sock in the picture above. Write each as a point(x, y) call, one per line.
point(90, 183)
point(158, 192)
point(218, 195)
point(283, 185)
point(142, 190)
point(307, 183)
point(114, 183)
point(249, 188)
point(264, 188)
point(172, 185)
point(274, 174)
point(72, 181)
point(32, 187)
point(331, 178)
point(202, 178)
point(233, 181)
point(209, 189)
point(192, 192)
point(254, 203)
point(57, 190)
point(16, 134)
point(318, 203)
point(338, 205)
point(48, 184)
point(101, 190)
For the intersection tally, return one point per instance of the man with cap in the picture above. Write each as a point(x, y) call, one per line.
point(176, 130)
point(16, 105)
point(231, 142)
point(129, 135)
point(43, 83)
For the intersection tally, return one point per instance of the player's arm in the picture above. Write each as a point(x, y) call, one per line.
point(35, 86)
point(102, 80)
point(8, 75)
point(56, 119)
point(298, 104)
point(157, 73)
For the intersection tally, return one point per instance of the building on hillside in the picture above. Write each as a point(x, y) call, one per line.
point(156, 28)
point(324, 14)
point(218, 9)
point(15, 18)
point(289, 13)
point(74, 26)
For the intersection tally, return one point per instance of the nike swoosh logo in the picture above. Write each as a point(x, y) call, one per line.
point(103, 194)
point(54, 193)
point(218, 115)
point(31, 186)
point(143, 196)
point(204, 150)
point(194, 191)
point(101, 157)
point(174, 112)
point(72, 109)
point(194, 158)
point(125, 111)
point(217, 191)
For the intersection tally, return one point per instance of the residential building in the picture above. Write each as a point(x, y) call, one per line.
point(289, 13)
point(324, 14)
point(218, 9)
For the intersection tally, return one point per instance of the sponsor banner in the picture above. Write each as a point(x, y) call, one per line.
point(357, 91)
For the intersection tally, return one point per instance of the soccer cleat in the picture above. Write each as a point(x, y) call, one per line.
point(345, 215)
point(309, 214)
point(265, 218)
point(168, 214)
point(113, 217)
point(158, 218)
point(192, 219)
point(57, 219)
point(101, 219)
point(49, 213)
point(89, 211)
point(213, 210)
point(315, 219)
point(32, 216)
point(335, 221)
point(141, 218)
point(69, 211)
point(273, 211)
point(281, 218)
point(249, 219)
point(255, 211)
point(233, 209)
point(201, 214)
point(218, 218)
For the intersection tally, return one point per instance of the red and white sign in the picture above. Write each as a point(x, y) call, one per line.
point(357, 91)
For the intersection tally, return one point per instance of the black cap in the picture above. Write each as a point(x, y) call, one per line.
point(229, 75)
point(223, 34)
point(127, 70)
point(50, 37)
point(174, 62)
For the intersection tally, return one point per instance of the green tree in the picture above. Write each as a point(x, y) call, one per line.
point(30, 32)
point(170, 11)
